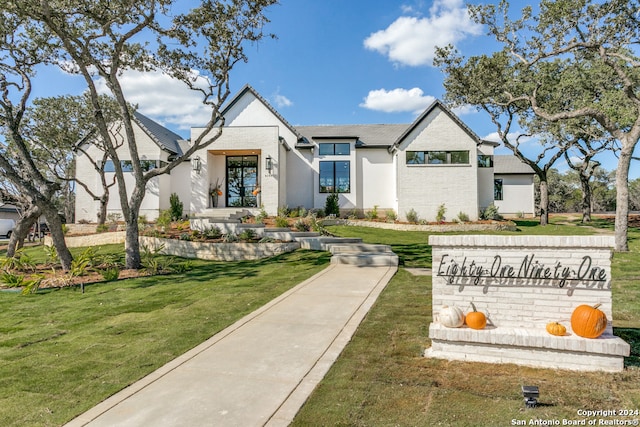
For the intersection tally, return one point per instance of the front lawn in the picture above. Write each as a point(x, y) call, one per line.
point(63, 351)
point(382, 379)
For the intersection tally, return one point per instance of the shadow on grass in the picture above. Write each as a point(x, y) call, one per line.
point(526, 223)
point(632, 336)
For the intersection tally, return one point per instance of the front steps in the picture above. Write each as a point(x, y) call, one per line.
point(345, 250)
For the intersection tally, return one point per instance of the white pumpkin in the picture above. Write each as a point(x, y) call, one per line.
point(451, 317)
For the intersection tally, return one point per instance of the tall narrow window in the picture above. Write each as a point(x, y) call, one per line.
point(485, 161)
point(497, 189)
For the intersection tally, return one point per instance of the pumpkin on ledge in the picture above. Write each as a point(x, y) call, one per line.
point(555, 328)
point(476, 319)
point(588, 322)
point(451, 317)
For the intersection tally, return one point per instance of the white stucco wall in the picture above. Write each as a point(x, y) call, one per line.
point(375, 178)
point(518, 195)
point(425, 187)
point(87, 208)
point(180, 183)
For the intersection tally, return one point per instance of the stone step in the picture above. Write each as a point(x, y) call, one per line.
point(286, 234)
point(324, 243)
point(371, 259)
point(359, 247)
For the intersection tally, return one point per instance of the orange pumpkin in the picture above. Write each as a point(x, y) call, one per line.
point(588, 322)
point(555, 328)
point(476, 319)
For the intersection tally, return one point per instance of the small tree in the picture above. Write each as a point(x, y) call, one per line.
point(176, 207)
point(331, 205)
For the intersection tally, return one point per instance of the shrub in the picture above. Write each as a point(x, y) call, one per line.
point(110, 274)
point(302, 225)
point(520, 214)
point(440, 214)
point(391, 216)
point(185, 236)
point(164, 219)
point(212, 232)
point(229, 238)
point(491, 213)
point(262, 215)
point(463, 217)
point(282, 222)
point(142, 221)
point(175, 207)
point(102, 228)
point(412, 216)
point(331, 205)
point(248, 234)
point(65, 229)
point(372, 214)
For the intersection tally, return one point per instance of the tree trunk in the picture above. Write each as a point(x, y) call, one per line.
point(102, 212)
point(132, 250)
point(622, 197)
point(586, 198)
point(55, 227)
point(21, 231)
point(544, 201)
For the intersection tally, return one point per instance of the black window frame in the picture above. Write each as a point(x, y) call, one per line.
point(334, 149)
point(333, 187)
point(498, 189)
point(485, 161)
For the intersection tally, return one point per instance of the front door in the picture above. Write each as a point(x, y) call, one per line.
point(242, 179)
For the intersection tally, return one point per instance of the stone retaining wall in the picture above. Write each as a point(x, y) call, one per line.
point(91, 239)
point(522, 283)
point(438, 228)
point(218, 251)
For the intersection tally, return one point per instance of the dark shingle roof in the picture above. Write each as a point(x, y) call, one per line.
point(379, 135)
point(166, 139)
point(509, 164)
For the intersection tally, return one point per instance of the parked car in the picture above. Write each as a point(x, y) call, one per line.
point(6, 227)
point(33, 233)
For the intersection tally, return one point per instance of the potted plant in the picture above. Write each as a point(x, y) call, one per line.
point(215, 191)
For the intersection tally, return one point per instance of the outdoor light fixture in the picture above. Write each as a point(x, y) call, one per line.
point(530, 394)
point(195, 164)
point(269, 164)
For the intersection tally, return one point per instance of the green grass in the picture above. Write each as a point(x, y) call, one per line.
point(63, 351)
point(382, 379)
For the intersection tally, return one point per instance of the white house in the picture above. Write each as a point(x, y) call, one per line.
point(262, 160)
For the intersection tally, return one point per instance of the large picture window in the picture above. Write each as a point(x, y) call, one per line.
point(335, 177)
point(127, 166)
point(339, 149)
point(437, 157)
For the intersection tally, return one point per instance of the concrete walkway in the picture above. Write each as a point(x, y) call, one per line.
point(258, 371)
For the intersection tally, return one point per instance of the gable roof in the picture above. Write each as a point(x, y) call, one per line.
point(163, 137)
point(250, 89)
point(447, 111)
point(510, 164)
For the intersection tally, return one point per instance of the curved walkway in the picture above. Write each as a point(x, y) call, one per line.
point(258, 371)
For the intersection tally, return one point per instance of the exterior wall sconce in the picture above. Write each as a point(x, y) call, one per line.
point(268, 164)
point(196, 164)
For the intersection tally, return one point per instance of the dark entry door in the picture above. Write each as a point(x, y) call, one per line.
point(242, 179)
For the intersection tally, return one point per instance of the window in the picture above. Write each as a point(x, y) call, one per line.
point(497, 189)
point(339, 149)
point(437, 157)
point(459, 157)
point(127, 166)
point(415, 157)
point(485, 161)
point(335, 177)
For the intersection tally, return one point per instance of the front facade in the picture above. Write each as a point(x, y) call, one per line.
point(260, 160)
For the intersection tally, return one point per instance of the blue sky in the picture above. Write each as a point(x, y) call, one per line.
point(333, 62)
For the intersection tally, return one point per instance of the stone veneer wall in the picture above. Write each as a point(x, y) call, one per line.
point(90, 239)
point(218, 251)
point(522, 283)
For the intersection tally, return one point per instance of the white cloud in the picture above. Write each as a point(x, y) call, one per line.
point(410, 40)
point(512, 137)
point(397, 100)
point(163, 98)
point(464, 110)
point(281, 101)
